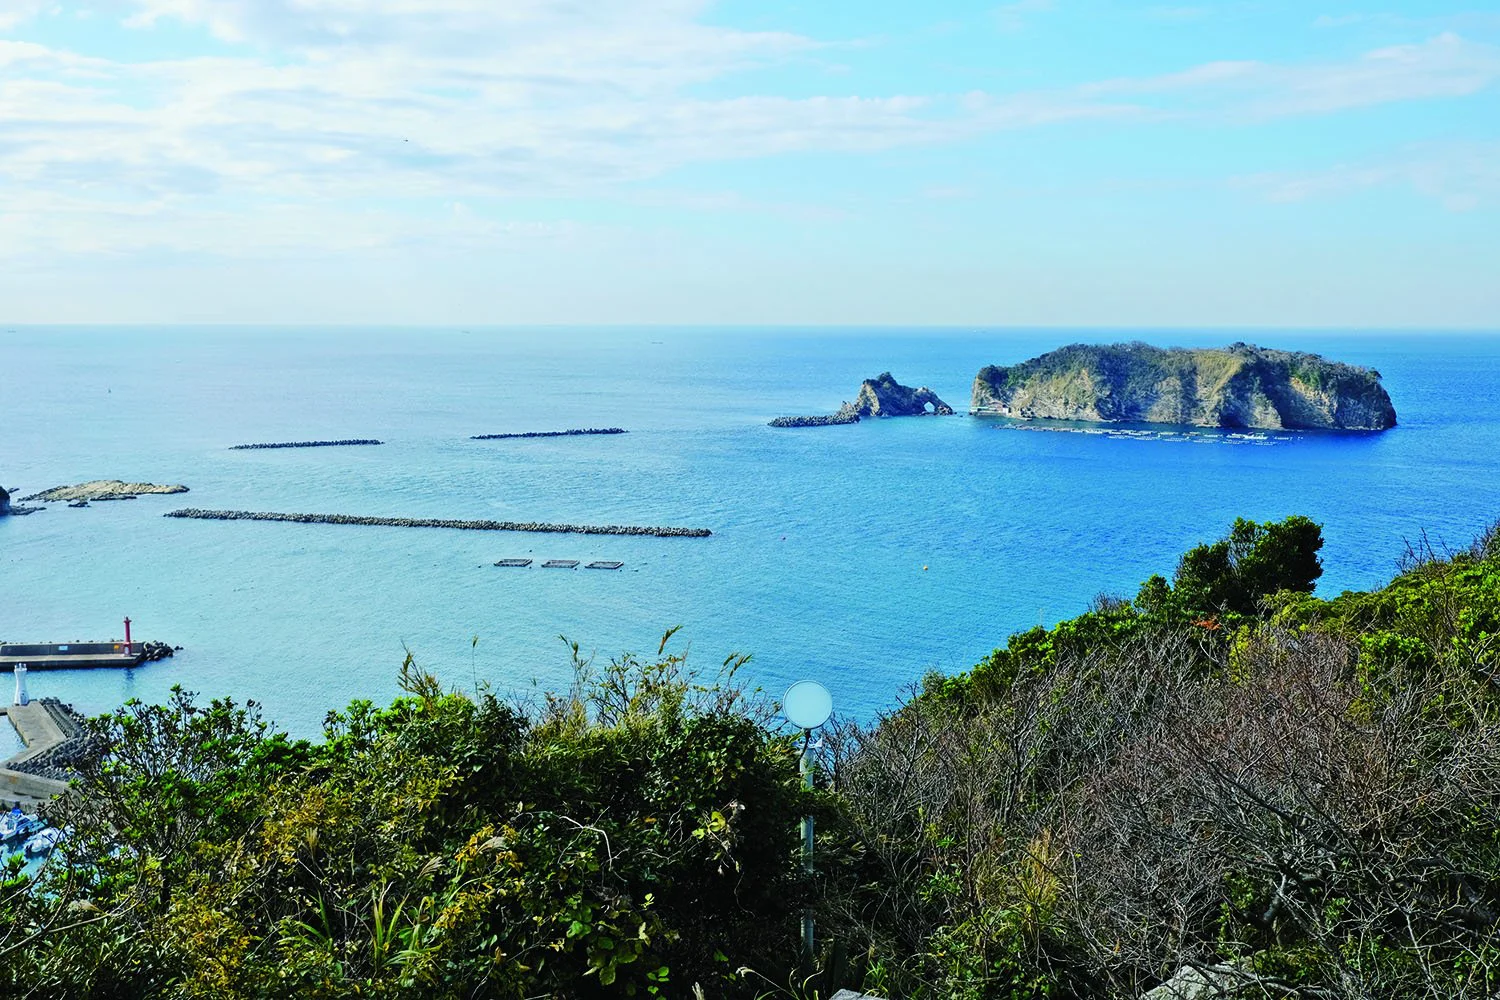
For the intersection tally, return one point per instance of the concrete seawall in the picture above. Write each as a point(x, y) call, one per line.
point(428, 522)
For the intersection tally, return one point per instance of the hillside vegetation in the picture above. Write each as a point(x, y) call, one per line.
point(1295, 797)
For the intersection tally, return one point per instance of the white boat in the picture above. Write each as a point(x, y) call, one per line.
point(44, 842)
point(18, 825)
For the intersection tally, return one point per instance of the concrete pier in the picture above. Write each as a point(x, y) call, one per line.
point(40, 732)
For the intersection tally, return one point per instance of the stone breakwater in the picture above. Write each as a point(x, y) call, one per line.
point(431, 522)
point(351, 442)
point(59, 762)
point(825, 421)
point(549, 434)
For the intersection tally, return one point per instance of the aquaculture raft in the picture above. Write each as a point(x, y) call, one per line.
point(560, 564)
point(604, 564)
point(517, 563)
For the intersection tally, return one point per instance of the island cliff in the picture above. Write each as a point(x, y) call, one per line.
point(1237, 386)
point(881, 396)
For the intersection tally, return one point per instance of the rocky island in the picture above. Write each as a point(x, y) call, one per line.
point(7, 509)
point(881, 396)
point(1239, 386)
point(102, 489)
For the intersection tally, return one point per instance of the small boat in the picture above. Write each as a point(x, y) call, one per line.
point(43, 842)
point(18, 825)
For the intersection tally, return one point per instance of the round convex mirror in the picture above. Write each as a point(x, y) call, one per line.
point(807, 704)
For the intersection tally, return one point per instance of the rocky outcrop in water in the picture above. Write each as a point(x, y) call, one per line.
point(881, 396)
point(549, 434)
point(102, 489)
point(431, 522)
point(8, 509)
point(1240, 386)
point(348, 443)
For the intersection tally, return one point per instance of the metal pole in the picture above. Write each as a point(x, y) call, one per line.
point(807, 850)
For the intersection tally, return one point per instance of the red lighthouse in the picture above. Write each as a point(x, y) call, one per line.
point(128, 650)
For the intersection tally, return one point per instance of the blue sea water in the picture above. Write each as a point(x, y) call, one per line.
point(862, 556)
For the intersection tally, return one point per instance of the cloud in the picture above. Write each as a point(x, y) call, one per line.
point(1178, 15)
point(1471, 21)
point(1461, 176)
point(1013, 17)
point(326, 113)
point(15, 13)
point(1444, 66)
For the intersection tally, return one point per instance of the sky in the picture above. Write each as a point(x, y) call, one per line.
point(1031, 163)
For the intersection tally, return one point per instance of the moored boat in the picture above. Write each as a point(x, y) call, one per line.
point(18, 825)
point(43, 843)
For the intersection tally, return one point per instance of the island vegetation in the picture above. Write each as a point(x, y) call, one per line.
point(1221, 783)
point(1239, 386)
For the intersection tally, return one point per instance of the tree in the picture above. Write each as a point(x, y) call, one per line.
point(1253, 562)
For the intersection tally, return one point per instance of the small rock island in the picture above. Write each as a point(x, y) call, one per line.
point(881, 396)
point(4, 502)
point(102, 489)
point(1239, 386)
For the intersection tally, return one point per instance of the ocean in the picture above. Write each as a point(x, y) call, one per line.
point(861, 556)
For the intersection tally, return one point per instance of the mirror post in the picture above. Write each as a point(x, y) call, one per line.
point(807, 849)
point(807, 705)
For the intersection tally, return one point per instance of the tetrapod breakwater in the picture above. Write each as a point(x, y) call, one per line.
point(549, 434)
point(350, 443)
point(433, 522)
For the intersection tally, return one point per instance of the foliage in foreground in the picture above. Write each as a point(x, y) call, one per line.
point(448, 846)
point(1295, 796)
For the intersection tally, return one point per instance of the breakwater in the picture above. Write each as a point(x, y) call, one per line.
point(550, 434)
point(432, 522)
point(827, 421)
point(352, 442)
